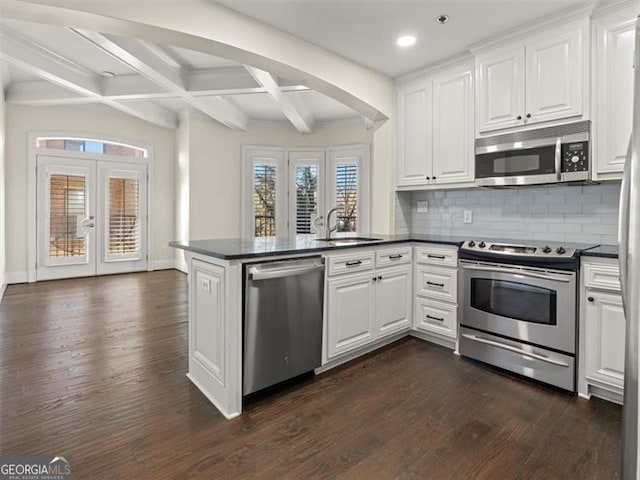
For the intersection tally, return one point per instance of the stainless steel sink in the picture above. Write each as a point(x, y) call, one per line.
point(348, 240)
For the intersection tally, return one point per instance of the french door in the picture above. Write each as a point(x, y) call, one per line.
point(91, 217)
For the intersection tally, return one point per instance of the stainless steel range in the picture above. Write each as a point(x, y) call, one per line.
point(518, 309)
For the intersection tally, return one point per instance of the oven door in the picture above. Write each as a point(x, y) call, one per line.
point(524, 163)
point(535, 306)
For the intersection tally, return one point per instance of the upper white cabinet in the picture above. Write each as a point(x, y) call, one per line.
point(541, 79)
point(613, 91)
point(500, 93)
point(435, 129)
point(414, 110)
point(453, 139)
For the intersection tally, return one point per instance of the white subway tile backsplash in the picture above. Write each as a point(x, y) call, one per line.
point(585, 214)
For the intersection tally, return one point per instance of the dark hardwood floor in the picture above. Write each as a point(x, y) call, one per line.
point(95, 369)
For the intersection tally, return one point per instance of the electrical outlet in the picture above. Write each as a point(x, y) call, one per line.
point(467, 217)
point(423, 206)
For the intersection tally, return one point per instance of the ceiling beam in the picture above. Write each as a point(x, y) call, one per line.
point(29, 57)
point(37, 60)
point(295, 110)
point(200, 83)
point(147, 63)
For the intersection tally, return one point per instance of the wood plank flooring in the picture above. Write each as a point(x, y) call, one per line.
point(95, 369)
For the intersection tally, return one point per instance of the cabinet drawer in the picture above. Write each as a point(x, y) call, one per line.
point(438, 283)
point(443, 256)
point(350, 263)
point(388, 257)
point(434, 316)
point(602, 276)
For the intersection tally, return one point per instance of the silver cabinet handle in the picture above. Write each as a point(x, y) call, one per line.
point(395, 257)
point(544, 276)
point(524, 353)
point(257, 274)
point(558, 158)
point(90, 225)
point(623, 223)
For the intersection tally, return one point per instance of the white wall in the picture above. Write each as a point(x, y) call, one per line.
point(95, 121)
point(215, 166)
point(3, 255)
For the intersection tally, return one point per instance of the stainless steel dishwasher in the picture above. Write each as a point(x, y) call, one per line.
point(282, 321)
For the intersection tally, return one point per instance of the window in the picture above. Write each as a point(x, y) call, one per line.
point(91, 146)
point(291, 197)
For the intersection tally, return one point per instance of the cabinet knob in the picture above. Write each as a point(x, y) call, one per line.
point(374, 279)
point(591, 299)
point(379, 277)
point(528, 115)
point(428, 178)
point(519, 117)
point(434, 178)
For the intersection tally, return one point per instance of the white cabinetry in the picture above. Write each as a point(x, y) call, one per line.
point(612, 91)
point(541, 79)
point(369, 305)
point(603, 330)
point(435, 129)
point(414, 110)
point(435, 293)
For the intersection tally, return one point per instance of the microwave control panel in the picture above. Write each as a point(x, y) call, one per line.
point(575, 157)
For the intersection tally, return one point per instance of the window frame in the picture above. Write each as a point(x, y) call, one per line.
point(286, 159)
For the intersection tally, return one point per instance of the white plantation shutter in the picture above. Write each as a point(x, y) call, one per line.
point(346, 177)
point(67, 207)
point(123, 235)
point(349, 187)
point(306, 196)
point(264, 200)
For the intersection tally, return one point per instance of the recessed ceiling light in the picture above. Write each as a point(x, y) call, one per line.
point(442, 19)
point(406, 40)
point(107, 74)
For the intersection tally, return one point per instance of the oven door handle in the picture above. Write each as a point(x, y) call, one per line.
point(519, 272)
point(558, 158)
point(524, 353)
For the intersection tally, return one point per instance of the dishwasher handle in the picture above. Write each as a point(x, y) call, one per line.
point(256, 273)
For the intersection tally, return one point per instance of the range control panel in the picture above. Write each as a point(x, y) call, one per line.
point(575, 157)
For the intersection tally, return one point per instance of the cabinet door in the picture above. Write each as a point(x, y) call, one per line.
point(604, 339)
point(453, 134)
point(555, 75)
point(350, 315)
point(500, 90)
point(414, 105)
point(613, 92)
point(393, 299)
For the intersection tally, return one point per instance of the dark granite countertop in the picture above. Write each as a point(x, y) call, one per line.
point(606, 251)
point(238, 248)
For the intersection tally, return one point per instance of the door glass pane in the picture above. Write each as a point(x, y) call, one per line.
point(124, 216)
point(67, 209)
point(347, 197)
point(306, 196)
point(514, 300)
point(264, 200)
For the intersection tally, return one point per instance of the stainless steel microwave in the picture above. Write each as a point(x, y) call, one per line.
point(535, 157)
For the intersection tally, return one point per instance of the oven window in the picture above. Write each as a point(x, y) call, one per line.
point(515, 163)
point(517, 301)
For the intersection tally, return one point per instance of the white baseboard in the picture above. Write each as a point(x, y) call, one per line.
point(17, 277)
point(181, 265)
point(164, 264)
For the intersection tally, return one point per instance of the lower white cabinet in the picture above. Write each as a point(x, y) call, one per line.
point(362, 308)
point(602, 330)
point(604, 340)
point(393, 300)
point(434, 316)
point(350, 313)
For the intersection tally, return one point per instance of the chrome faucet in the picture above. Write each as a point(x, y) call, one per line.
point(327, 225)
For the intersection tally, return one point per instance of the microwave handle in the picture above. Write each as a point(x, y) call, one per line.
point(559, 158)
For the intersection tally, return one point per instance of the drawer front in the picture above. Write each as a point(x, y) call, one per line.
point(351, 263)
point(436, 317)
point(388, 257)
point(437, 283)
point(437, 255)
point(602, 276)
